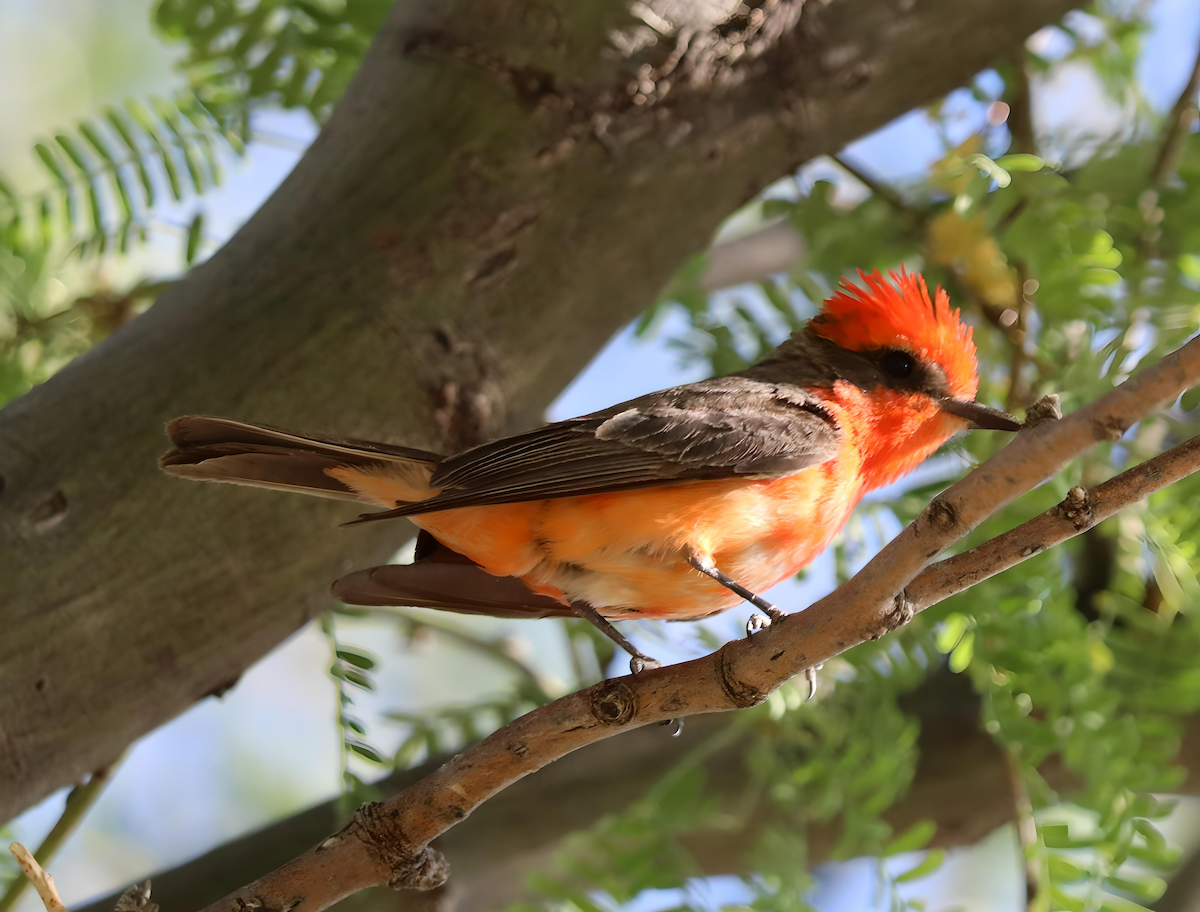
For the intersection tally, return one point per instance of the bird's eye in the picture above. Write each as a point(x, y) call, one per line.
point(898, 364)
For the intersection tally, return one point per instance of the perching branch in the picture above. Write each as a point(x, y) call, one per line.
point(1183, 112)
point(388, 843)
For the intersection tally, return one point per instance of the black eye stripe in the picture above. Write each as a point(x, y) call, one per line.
point(897, 363)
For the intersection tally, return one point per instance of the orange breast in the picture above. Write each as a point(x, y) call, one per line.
point(624, 553)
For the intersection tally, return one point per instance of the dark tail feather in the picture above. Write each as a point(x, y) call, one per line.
point(218, 449)
point(444, 579)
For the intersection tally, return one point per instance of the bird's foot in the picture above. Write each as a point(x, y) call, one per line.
point(757, 622)
point(774, 612)
point(642, 662)
point(676, 726)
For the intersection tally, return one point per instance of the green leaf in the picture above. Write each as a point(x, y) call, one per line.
point(1066, 901)
point(352, 676)
point(53, 165)
point(410, 749)
point(74, 152)
point(117, 120)
point(930, 863)
point(1119, 904)
point(1101, 276)
point(990, 169)
point(915, 837)
point(1190, 399)
point(366, 751)
point(960, 658)
point(360, 659)
point(1148, 888)
point(1057, 836)
point(1021, 161)
point(194, 236)
point(96, 141)
point(950, 631)
point(1062, 870)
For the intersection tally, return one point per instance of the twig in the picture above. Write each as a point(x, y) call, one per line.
point(1020, 109)
point(1178, 122)
point(493, 649)
point(879, 188)
point(42, 881)
point(1018, 339)
point(1027, 835)
point(388, 843)
point(79, 802)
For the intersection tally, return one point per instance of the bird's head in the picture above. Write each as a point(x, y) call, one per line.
point(902, 339)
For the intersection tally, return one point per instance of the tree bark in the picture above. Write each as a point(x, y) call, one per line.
point(961, 783)
point(496, 194)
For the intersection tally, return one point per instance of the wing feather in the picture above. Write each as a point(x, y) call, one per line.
point(724, 428)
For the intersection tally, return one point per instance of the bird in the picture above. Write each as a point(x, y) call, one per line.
point(675, 505)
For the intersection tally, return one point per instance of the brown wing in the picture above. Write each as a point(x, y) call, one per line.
point(723, 428)
point(441, 578)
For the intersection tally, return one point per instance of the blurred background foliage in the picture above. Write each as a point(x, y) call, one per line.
point(1076, 254)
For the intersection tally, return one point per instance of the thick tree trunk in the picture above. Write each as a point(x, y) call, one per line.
point(498, 191)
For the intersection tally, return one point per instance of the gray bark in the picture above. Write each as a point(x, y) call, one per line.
point(488, 203)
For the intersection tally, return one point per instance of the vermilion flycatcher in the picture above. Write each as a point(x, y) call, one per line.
point(675, 505)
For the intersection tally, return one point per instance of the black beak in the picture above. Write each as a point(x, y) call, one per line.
point(983, 416)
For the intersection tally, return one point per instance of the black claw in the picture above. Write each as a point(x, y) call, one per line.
point(676, 726)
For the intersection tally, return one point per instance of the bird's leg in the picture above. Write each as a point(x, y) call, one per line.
point(757, 621)
point(639, 661)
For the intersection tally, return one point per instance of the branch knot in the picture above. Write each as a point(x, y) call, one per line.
point(410, 867)
point(613, 703)
point(1077, 507)
point(741, 694)
point(902, 611)
point(1048, 408)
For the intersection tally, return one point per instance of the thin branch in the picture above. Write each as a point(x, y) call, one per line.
point(388, 843)
point(42, 881)
point(1018, 339)
point(1178, 124)
point(79, 802)
point(879, 188)
point(494, 649)
point(1020, 109)
point(1027, 835)
point(1082, 509)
